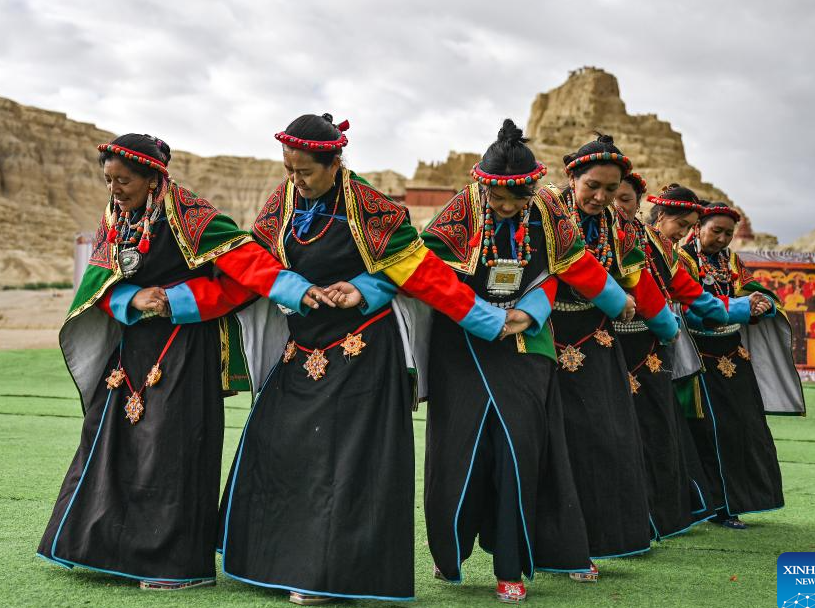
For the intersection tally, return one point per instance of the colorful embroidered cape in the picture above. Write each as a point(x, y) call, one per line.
point(202, 234)
point(454, 234)
point(451, 232)
point(769, 341)
point(380, 227)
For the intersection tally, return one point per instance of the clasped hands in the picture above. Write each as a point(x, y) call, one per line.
point(345, 295)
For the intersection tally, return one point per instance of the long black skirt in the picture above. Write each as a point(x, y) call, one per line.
point(677, 500)
point(320, 497)
point(602, 432)
point(733, 440)
point(473, 383)
point(141, 500)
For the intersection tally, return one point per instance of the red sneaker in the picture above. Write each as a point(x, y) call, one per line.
point(586, 577)
point(510, 592)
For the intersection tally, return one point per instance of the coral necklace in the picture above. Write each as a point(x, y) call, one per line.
point(322, 232)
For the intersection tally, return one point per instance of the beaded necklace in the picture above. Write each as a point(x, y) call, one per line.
point(649, 255)
point(524, 254)
point(322, 232)
point(719, 273)
point(602, 250)
point(143, 231)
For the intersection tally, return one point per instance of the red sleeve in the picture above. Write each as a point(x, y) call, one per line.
point(205, 298)
point(650, 300)
point(251, 266)
point(586, 275)
point(683, 288)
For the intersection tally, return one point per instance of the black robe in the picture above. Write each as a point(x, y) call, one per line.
point(677, 490)
point(141, 500)
point(603, 434)
point(733, 440)
point(483, 396)
point(320, 496)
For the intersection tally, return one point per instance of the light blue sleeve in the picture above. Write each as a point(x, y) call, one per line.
point(536, 305)
point(288, 289)
point(377, 290)
point(120, 299)
point(183, 307)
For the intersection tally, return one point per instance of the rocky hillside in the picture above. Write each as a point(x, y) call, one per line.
point(51, 187)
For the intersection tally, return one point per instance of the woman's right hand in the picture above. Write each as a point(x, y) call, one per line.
point(150, 299)
point(630, 309)
point(314, 296)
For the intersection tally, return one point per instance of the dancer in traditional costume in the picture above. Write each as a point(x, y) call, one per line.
point(601, 424)
point(140, 498)
point(320, 498)
point(497, 464)
point(677, 492)
point(731, 432)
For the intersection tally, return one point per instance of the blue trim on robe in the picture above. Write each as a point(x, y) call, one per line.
point(120, 298)
point(376, 289)
point(494, 404)
point(183, 307)
point(536, 305)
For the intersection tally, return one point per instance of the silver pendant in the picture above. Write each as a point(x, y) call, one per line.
point(130, 260)
point(505, 277)
point(708, 280)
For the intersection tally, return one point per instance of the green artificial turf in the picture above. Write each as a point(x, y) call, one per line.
point(711, 566)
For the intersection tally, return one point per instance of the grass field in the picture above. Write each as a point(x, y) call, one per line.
point(40, 421)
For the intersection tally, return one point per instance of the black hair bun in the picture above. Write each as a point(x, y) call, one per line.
point(163, 147)
point(510, 133)
point(567, 158)
point(673, 186)
point(328, 117)
point(604, 139)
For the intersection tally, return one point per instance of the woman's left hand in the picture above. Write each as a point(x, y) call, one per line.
point(343, 294)
point(759, 304)
point(517, 321)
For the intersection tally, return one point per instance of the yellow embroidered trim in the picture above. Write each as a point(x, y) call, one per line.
point(555, 266)
point(673, 263)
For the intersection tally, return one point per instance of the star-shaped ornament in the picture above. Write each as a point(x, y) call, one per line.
point(727, 367)
point(352, 345)
point(134, 408)
point(571, 358)
point(603, 338)
point(315, 364)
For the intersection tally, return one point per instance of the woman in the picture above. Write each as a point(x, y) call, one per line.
point(601, 425)
point(497, 465)
point(320, 498)
point(140, 498)
point(676, 485)
point(732, 437)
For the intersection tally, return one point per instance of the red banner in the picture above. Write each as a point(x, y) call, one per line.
point(791, 276)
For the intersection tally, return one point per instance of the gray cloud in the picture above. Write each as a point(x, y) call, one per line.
point(418, 79)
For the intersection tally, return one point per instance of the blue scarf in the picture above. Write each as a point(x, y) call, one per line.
point(512, 223)
point(304, 218)
point(591, 226)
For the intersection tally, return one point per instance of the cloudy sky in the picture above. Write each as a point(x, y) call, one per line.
point(418, 78)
